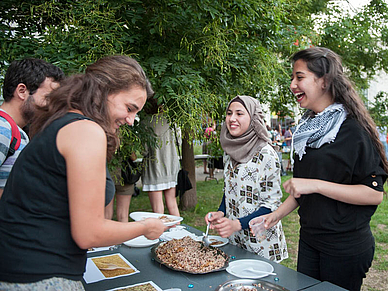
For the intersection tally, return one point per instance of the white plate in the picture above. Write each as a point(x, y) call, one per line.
point(176, 233)
point(140, 242)
point(236, 268)
point(213, 238)
point(137, 216)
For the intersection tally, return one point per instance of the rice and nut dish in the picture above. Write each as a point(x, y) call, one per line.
point(189, 255)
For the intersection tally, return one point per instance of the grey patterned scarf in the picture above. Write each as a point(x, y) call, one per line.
point(314, 131)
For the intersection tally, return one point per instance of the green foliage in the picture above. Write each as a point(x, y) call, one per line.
point(214, 146)
point(360, 39)
point(197, 54)
point(137, 138)
point(379, 225)
point(71, 34)
point(377, 109)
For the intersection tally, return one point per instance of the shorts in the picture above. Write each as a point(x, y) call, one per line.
point(51, 284)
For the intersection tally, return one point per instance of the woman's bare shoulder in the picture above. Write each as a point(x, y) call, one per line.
point(82, 133)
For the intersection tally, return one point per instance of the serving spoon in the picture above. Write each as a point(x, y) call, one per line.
point(205, 238)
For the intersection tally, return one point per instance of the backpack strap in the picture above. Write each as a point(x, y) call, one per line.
point(16, 137)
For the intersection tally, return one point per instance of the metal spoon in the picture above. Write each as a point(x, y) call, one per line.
point(205, 238)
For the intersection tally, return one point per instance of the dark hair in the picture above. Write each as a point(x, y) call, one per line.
point(151, 107)
point(89, 93)
point(32, 73)
point(238, 100)
point(326, 64)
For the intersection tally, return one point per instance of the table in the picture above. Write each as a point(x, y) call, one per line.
point(325, 286)
point(165, 278)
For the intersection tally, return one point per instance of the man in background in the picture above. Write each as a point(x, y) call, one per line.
point(26, 84)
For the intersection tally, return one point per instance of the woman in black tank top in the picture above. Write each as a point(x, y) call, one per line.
point(52, 209)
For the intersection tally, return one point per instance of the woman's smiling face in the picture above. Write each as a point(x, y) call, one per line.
point(237, 119)
point(124, 106)
point(308, 89)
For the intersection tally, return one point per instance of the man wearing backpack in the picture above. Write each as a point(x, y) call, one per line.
point(26, 83)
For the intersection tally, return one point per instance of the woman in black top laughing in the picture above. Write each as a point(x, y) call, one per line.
point(339, 172)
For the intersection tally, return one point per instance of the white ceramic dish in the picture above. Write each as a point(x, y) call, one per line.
point(140, 242)
point(137, 216)
point(215, 238)
point(236, 268)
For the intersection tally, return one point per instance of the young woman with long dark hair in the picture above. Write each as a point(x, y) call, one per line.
point(339, 171)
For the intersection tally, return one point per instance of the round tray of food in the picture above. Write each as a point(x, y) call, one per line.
point(249, 285)
point(190, 256)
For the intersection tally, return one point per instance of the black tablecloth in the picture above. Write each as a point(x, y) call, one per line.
point(165, 278)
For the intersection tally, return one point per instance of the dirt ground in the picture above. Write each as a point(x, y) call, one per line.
point(375, 280)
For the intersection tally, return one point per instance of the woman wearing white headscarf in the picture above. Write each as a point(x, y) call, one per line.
point(252, 180)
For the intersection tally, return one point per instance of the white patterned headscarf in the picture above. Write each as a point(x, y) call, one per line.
point(314, 131)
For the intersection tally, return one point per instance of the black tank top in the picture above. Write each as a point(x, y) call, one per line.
point(35, 236)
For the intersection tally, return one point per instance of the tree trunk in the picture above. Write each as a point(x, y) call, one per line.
point(189, 198)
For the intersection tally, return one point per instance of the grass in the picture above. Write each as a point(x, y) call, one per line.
point(379, 226)
point(193, 217)
point(209, 195)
